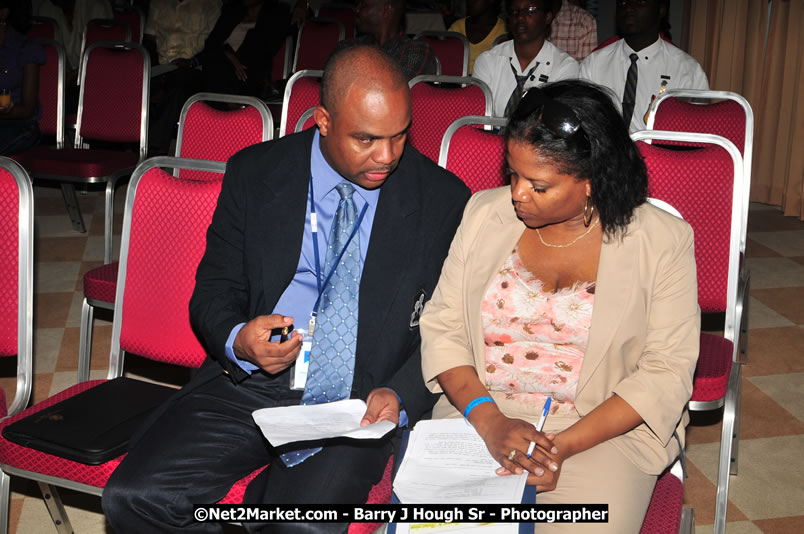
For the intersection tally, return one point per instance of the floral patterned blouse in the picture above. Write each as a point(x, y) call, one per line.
point(535, 339)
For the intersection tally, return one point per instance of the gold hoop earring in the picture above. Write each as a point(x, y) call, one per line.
point(588, 211)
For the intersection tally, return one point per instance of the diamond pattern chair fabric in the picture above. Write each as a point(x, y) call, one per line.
point(345, 14)
point(283, 60)
point(316, 41)
point(132, 16)
point(99, 30)
point(437, 103)
point(42, 28)
point(706, 186)
point(301, 93)
point(473, 154)
point(451, 49)
point(664, 510)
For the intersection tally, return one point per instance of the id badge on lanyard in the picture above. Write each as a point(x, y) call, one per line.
point(298, 375)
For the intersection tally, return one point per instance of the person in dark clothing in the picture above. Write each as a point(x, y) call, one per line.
point(238, 53)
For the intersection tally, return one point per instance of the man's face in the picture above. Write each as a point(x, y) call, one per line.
point(528, 20)
point(364, 139)
point(369, 15)
point(638, 16)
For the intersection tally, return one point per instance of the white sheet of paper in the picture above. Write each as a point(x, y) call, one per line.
point(446, 461)
point(288, 424)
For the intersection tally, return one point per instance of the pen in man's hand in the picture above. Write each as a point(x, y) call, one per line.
point(540, 424)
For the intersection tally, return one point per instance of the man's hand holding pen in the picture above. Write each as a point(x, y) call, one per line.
point(253, 343)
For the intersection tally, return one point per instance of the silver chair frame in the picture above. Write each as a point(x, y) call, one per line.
point(302, 119)
point(47, 483)
point(109, 22)
point(451, 35)
point(60, 66)
point(22, 394)
point(729, 444)
point(487, 122)
point(283, 122)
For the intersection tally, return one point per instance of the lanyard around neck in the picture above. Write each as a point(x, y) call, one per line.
point(314, 229)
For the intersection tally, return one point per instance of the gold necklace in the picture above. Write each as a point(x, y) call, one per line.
point(586, 233)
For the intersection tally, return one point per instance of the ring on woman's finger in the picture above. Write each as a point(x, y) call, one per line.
point(512, 454)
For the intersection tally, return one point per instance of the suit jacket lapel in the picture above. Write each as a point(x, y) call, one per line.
point(281, 218)
point(391, 248)
point(613, 292)
point(496, 241)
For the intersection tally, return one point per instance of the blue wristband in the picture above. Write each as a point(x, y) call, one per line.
point(471, 405)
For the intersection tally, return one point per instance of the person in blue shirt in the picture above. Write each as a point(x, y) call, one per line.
point(344, 224)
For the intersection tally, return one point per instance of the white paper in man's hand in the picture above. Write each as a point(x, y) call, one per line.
point(288, 424)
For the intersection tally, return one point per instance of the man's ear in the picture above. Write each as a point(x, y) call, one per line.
point(323, 119)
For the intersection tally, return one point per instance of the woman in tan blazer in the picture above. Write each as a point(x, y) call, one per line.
point(498, 336)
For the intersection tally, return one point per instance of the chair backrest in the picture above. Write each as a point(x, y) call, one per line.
point(720, 113)
point(99, 30)
point(316, 41)
point(51, 91)
point(115, 87)
point(301, 93)
point(42, 28)
point(436, 105)
point(305, 121)
point(474, 154)
point(451, 49)
point(343, 13)
point(705, 186)
point(215, 135)
point(280, 68)
point(501, 39)
point(16, 270)
point(165, 217)
point(135, 19)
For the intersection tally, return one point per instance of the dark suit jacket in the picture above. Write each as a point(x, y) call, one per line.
point(255, 238)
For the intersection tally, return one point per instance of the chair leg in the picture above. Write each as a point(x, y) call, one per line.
point(73, 209)
point(56, 508)
point(5, 503)
point(85, 340)
point(728, 447)
point(745, 282)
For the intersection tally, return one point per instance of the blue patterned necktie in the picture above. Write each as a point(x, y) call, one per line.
point(332, 357)
point(519, 90)
point(629, 93)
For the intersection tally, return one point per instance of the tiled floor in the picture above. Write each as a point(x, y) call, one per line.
point(766, 496)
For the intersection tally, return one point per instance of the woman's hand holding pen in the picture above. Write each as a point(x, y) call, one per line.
point(508, 441)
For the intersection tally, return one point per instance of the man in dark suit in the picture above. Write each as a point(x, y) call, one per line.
point(259, 275)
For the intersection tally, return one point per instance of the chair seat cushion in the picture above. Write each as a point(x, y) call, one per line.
point(76, 162)
point(713, 368)
point(664, 511)
point(100, 283)
point(24, 458)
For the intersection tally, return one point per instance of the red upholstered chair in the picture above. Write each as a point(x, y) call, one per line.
point(437, 102)
point(113, 108)
point(135, 19)
point(16, 292)
point(721, 113)
point(162, 212)
point(205, 133)
point(451, 49)
point(99, 30)
point(301, 93)
point(474, 154)
point(42, 28)
point(316, 41)
point(344, 13)
point(706, 186)
point(283, 60)
point(666, 514)
point(305, 121)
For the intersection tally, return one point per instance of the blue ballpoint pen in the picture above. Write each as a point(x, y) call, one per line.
point(540, 424)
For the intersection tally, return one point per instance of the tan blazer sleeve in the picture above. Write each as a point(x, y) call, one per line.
point(662, 384)
point(444, 329)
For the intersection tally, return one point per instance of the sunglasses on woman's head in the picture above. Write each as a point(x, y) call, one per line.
point(558, 117)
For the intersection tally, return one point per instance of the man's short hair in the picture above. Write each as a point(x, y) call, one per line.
point(355, 61)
